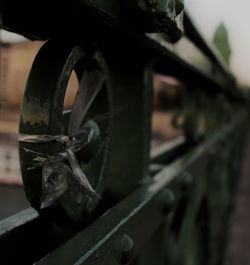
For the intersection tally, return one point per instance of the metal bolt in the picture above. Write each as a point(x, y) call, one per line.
point(127, 249)
point(168, 198)
point(153, 3)
point(186, 180)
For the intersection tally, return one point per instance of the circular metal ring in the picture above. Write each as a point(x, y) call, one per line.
point(42, 116)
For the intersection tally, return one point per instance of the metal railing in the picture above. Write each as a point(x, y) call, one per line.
point(172, 205)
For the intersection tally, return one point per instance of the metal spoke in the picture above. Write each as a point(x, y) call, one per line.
point(90, 85)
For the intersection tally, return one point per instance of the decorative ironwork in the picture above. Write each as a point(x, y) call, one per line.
point(56, 145)
point(172, 206)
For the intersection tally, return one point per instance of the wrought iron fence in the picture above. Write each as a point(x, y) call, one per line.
point(103, 196)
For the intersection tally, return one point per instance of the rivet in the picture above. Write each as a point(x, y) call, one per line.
point(168, 198)
point(153, 2)
point(186, 180)
point(127, 249)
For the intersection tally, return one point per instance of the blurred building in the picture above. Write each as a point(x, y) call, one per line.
point(17, 55)
point(16, 61)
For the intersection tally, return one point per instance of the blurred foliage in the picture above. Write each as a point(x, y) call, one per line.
point(221, 41)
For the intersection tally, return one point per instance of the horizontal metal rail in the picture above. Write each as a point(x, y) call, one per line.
point(137, 202)
point(137, 216)
point(109, 25)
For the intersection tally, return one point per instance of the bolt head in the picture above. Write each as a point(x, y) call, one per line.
point(169, 200)
point(153, 3)
point(186, 180)
point(127, 249)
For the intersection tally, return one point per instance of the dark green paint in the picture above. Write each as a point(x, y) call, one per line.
point(158, 208)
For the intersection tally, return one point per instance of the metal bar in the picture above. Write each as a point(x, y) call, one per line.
point(107, 25)
point(17, 232)
point(30, 237)
point(29, 233)
point(17, 221)
point(138, 216)
point(172, 64)
point(120, 234)
point(167, 152)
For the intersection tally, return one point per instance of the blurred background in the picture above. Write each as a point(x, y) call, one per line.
point(232, 17)
point(225, 26)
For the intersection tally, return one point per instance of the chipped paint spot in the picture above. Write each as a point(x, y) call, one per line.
point(35, 112)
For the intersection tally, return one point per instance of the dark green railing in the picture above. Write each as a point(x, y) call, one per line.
point(172, 205)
